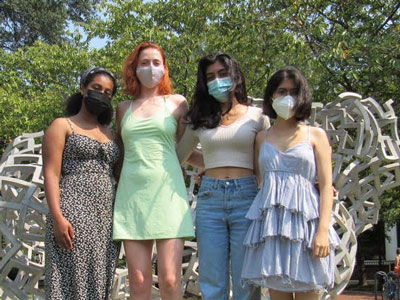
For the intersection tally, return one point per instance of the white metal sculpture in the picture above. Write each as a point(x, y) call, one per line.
point(366, 151)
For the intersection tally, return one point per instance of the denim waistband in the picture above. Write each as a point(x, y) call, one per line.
point(236, 182)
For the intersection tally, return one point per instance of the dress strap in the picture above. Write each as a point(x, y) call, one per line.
point(70, 126)
point(309, 134)
point(166, 110)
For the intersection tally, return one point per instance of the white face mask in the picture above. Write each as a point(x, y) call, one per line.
point(283, 106)
point(150, 76)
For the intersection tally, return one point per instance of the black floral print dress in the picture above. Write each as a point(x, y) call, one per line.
point(87, 199)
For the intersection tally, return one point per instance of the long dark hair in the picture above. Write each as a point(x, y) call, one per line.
point(303, 104)
point(205, 111)
point(73, 103)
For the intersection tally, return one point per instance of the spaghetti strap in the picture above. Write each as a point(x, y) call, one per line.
point(165, 109)
point(70, 126)
point(309, 133)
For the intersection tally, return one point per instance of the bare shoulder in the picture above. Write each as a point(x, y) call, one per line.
point(123, 106)
point(59, 125)
point(57, 132)
point(317, 132)
point(178, 105)
point(319, 139)
point(177, 97)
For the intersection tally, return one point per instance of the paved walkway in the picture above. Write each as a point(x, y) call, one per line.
point(353, 295)
point(343, 296)
point(356, 296)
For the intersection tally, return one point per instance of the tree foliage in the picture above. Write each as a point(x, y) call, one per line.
point(23, 22)
point(35, 81)
point(354, 44)
point(339, 45)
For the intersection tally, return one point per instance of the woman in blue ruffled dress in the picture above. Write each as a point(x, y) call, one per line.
point(290, 243)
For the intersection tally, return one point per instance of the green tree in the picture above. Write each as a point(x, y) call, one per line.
point(339, 45)
point(35, 81)
point(355, 45)
point(23, 22)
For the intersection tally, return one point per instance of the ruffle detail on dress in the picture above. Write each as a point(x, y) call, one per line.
point(288, 261)
point(283, 189)
point(282, 223)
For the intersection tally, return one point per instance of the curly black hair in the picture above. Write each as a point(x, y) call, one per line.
point(74, 102)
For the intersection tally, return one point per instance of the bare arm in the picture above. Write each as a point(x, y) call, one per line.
point(260, 138)
point(186, 146)
point(121, 110)
point(182, 109)
point(196, 157)
point(53, 147)
point(323, 154)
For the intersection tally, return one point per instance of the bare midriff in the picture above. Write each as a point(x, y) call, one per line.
point(228, 172)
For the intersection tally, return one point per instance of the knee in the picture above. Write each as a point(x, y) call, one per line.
point(140, 283)
point(169, 282)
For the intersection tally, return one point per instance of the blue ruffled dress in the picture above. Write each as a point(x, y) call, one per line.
point(284, 217)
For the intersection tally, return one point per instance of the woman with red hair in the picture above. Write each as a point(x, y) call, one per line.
point(151, 202)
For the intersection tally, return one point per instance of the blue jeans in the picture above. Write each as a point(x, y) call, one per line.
point(220, 230)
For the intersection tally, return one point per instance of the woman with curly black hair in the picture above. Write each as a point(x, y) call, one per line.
point(79, 155)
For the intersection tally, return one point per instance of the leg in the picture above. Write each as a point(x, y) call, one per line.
point(213, 244)
point(238, 230)
point(138, 257)
point(312, 295)
point(242, 197)
point(169, 256)
point(278, 295)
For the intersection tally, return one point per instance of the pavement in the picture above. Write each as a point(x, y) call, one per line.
point(344, 296)
point(356, 296)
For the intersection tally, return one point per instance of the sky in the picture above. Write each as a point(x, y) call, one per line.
point(95, 43)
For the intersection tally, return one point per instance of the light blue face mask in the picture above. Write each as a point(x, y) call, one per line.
point(219, 88)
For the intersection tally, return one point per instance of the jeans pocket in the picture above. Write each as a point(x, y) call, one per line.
point(248, 192)
point(204, 194)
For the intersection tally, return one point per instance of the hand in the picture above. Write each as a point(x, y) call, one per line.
point(63, 233)
point(320, 246)
point(198, 176)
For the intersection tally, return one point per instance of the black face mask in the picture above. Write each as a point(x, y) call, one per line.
point(97, 103)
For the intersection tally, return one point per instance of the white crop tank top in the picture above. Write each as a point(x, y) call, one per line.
point(226, 145)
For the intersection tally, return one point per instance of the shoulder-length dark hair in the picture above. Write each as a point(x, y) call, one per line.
point(205, 111)
point(131, 82)
point(303, 98)
point(74, 102)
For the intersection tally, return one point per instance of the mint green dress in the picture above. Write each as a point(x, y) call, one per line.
point(151, 201)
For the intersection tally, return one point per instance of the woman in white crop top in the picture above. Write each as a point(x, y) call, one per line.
point(221, 120)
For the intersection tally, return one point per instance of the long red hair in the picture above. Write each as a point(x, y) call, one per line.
point(131, 82)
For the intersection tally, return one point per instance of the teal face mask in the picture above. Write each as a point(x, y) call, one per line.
point(219, 88)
